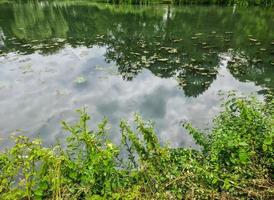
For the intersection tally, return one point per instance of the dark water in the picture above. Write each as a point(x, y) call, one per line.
point(167, 63)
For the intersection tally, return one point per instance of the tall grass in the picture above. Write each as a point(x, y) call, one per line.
point(236, 161)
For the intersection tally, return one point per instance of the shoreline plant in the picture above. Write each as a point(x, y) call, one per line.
point(236, 161)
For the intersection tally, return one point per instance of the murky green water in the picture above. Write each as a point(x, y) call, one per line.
point(168, 63)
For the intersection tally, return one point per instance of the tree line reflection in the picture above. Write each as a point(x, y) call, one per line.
point(181, 43)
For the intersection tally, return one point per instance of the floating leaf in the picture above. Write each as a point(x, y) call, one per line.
point(198, 34)
point(80, 80)
point(25, 45)
point(206, 47)
point(99, 36)
point(162, 59)
point(134, 53)
point(26, 68)
point(252, 40)
point(173, 50)
point(60, 39)
point(178, 40)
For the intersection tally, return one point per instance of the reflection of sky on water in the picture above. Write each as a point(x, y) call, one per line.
point(37, 92)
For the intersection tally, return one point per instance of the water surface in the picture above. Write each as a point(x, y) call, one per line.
point(167, 63)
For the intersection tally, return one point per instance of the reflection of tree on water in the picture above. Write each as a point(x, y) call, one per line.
point(169, 59)
point(180, 43)
point(33, 21)
point(245, 68)
point(33, 26)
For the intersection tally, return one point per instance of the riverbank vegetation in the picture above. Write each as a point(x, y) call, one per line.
point(235, 161)
point(198, 2)
point(264, 3)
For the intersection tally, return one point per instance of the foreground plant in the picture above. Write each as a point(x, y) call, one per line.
point(236, 161)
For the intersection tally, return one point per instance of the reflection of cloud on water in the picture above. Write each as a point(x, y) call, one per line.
point(36, 102)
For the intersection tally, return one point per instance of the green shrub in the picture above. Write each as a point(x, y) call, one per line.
point(235, 161)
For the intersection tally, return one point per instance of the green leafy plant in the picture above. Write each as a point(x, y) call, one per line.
point(235, 161)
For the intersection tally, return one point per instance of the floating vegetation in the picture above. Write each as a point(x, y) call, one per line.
point(162, 59)
point(80, 80)
point(61, 92)
point(26, 45)
point(182, 83)
point(253, 40)
point(135, 53)
point(178, 40)
point(257, 60)
point(172, 50)
point(149, 44)
point(100, 36)
point(59, 40)
point(26, 68)
point(157, 43)
point(198, 34)
point(239, 62)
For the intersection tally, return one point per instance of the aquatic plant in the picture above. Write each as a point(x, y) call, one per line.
point(235, 161)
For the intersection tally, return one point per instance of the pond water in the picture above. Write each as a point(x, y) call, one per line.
point(167, 63)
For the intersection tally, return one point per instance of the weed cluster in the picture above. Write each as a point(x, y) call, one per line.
point(236, 161)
